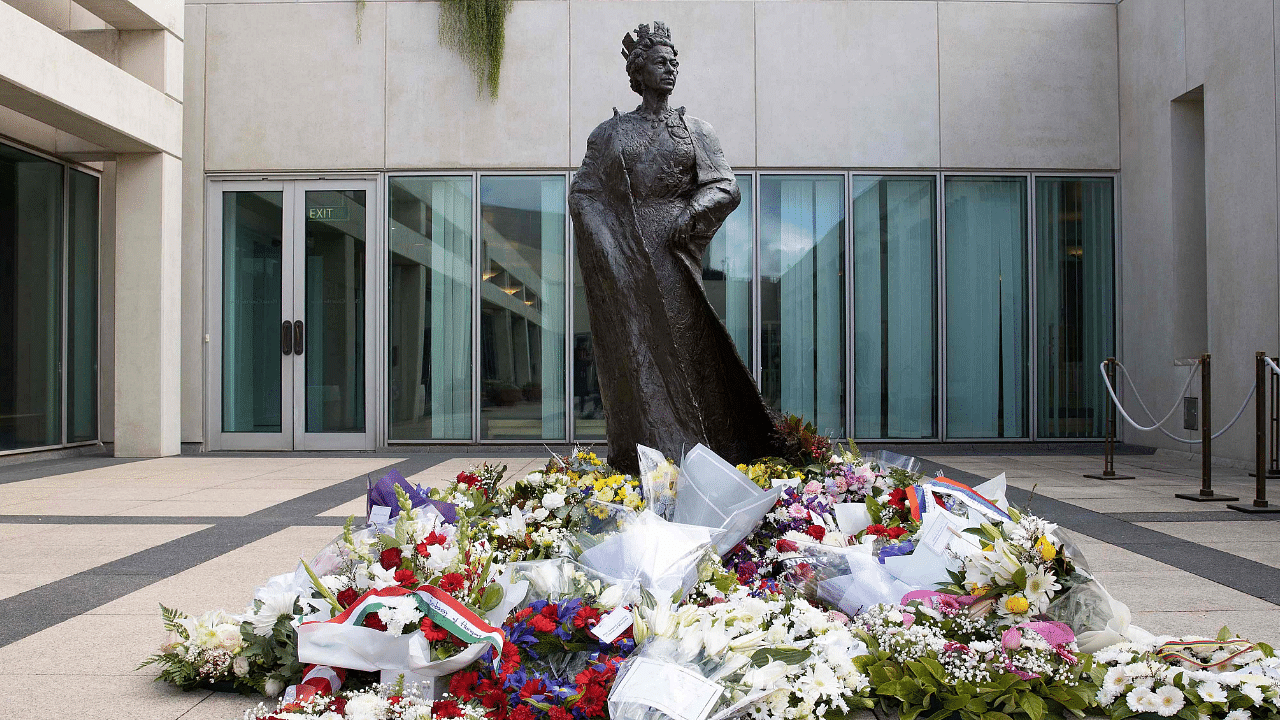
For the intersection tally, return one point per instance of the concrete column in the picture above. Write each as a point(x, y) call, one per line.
point(148, 305)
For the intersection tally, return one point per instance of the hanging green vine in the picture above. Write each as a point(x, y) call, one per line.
point(477, 30)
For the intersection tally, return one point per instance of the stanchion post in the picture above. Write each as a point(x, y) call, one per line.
point(1259, 441)
point(1109, 445)
point(1206, 493)
point(1273, 424)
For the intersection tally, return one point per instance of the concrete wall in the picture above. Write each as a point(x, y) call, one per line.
point(324, 86)
point(1200, 266)
point(100, 82)
point(844, 83)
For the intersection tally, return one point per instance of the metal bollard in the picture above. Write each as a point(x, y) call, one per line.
point(1260, 442)
point(1109, 452)
point(1206, 493)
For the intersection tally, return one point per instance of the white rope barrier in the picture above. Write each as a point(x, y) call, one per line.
point(1274, 368)
point(1111, 391)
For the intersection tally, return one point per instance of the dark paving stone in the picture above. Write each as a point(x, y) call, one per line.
point(1208, 516)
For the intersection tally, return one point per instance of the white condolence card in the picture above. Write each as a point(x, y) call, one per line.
point(677, 691)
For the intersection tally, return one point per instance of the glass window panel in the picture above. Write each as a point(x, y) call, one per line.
point(31, 211)
point(726, 272)
point(82, 308)
point(895, 388)
point(802, 301)
point(430, 325)
point(252, 242)
point(1075, 231)
point(588, 410)
point(986, 255)
point(334, 264)
point(522, 323)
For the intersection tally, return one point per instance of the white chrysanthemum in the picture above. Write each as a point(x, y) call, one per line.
point(1169, 700)
point(1253, 692)
point(1212, 692)
point(1239, 715)
point(1115, 680)
point(1042, 585)
point(1141, 700)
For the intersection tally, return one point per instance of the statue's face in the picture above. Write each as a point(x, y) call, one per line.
point(660, 69)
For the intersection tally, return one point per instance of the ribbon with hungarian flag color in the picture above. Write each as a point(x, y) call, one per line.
point(344, 641)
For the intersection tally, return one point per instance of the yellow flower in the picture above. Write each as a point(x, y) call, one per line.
point(1047, 551)
point(1016, 605)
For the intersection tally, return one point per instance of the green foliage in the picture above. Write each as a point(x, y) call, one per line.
point(919, 689)
point(477, 30)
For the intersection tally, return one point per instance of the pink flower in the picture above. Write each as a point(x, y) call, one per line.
point(907, 619)
point(842, 484)
point(813, 487)
point(1011, 639)
point(798, 511)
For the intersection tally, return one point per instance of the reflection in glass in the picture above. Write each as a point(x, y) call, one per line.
point(588, 410)
point(726, 272)
point(252, 225)
point(82, 308)
point(1075, 230)
point(30, 300)
point(522, 322)
point(334, 298)
point(986, 251)
point(430, 308)
point(802, 297)
point(894, 307)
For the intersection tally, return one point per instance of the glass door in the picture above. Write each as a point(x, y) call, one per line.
point(291, 317)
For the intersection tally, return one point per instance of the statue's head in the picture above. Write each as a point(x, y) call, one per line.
point(651, 58)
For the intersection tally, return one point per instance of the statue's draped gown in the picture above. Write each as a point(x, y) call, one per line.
point(670, 376)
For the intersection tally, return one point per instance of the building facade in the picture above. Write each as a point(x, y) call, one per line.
point(936, 243)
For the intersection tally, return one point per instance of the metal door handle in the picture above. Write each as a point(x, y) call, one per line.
point(298, 337)
point(286, 338)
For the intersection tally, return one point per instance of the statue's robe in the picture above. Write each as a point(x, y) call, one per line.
point(645, 204)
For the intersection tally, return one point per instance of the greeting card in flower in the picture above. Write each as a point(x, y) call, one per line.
point(714, 494)
point(928, 564)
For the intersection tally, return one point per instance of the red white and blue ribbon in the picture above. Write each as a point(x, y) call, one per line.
point(966, 495)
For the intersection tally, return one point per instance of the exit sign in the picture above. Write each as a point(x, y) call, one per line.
point(328, 213)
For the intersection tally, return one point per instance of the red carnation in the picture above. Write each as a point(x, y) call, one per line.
point(555, 712)
point(531, 688)
point(390, 558)
point(373, 621)
point(432, 631)
point(405, 577)
point(452, 582)
point(522, 614)
point(445, 709)
point(542, 624)
point(551, 611)
point(898, 498)
point(423, 549)
point(395, 699)
point(895, 532)
point(523, 712)
point(784, 545)
point(586, 617)
point(462, 685)
point(347, 597)
point(468, 479)
point(877, 530)
point(510, 659)
point(817, 532)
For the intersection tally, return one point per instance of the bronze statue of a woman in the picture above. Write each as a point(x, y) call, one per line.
point(653, 189)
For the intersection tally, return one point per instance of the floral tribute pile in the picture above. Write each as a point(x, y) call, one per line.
point(809, 587)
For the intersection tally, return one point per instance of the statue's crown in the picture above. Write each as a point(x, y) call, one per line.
point(643, 33)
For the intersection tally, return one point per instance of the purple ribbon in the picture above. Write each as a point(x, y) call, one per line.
point(906, 547)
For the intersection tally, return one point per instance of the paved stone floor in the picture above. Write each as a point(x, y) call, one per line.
point(90, 546)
